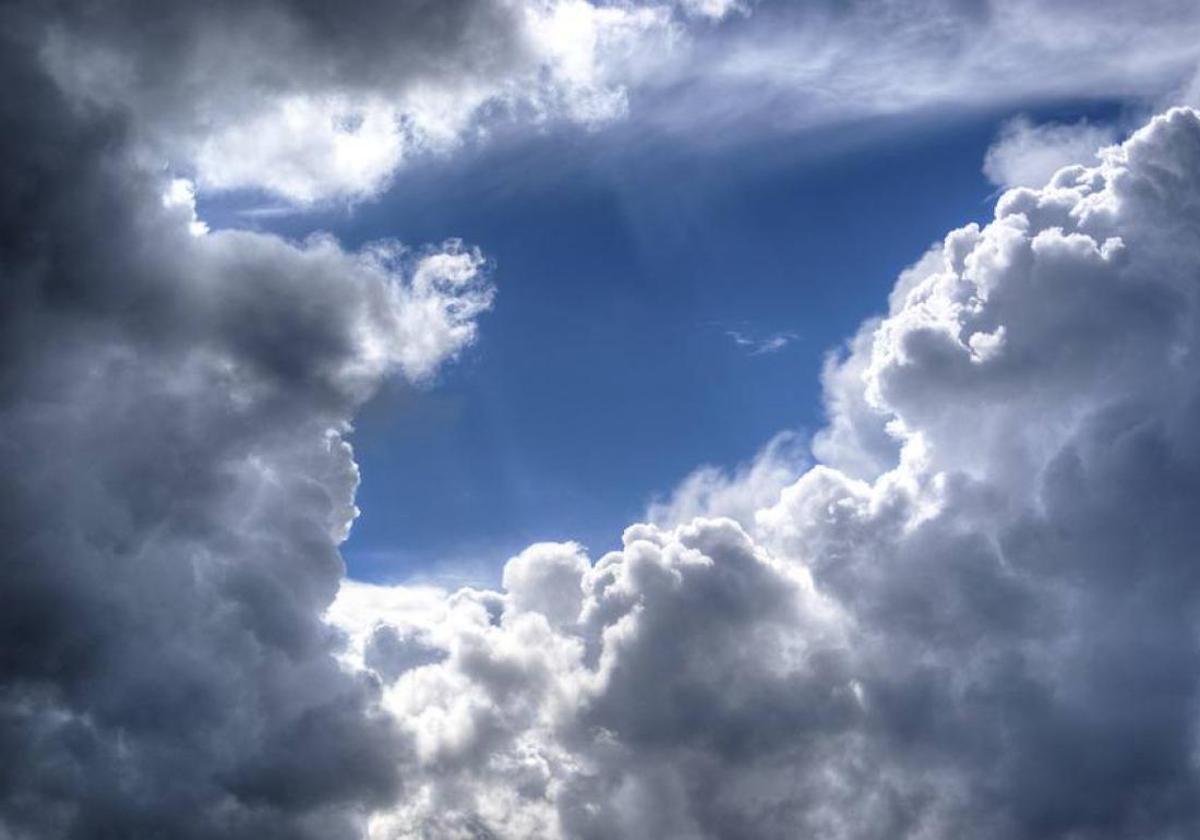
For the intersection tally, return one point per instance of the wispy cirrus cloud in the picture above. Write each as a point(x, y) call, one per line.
point(788, 68)
point(760, 345)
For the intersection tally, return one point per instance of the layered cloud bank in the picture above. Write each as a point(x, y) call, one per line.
point(976, 618)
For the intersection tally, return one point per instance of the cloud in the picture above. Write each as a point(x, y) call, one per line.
point(791, 67)
point(991, 636)
point(761, 345)
point(714, 9)
point(309, 104)
point(974, 617)
point(710, 491)
point(286, 97)
point(176, 481)
point(1027, 155)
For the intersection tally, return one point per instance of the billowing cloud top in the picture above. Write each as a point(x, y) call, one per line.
point(976, 616)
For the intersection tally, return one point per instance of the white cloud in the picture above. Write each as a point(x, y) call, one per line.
point(547, 578)
point(714, 9)
point(306, 149)
point(790, 68)
point(991, 636)
point(761, 345)
point(181, 193)
point(711, 492)
point(1027, 155)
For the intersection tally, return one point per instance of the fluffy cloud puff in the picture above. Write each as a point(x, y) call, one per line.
point(976, 618)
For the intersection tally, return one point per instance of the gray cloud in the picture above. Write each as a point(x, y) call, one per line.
point(801, 67)
point(313, 102)
point(175, 485)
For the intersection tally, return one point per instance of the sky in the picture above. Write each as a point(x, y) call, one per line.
point(621, 313)
point(572, 419)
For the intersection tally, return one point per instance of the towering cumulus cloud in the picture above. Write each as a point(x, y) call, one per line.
point(977, 618)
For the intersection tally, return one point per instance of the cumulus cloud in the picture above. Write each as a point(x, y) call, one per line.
point(176, 480)
point(1027, 155)
point(992, 636)
point(710, 491)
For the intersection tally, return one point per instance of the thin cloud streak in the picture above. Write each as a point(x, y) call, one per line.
point(761, 345)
